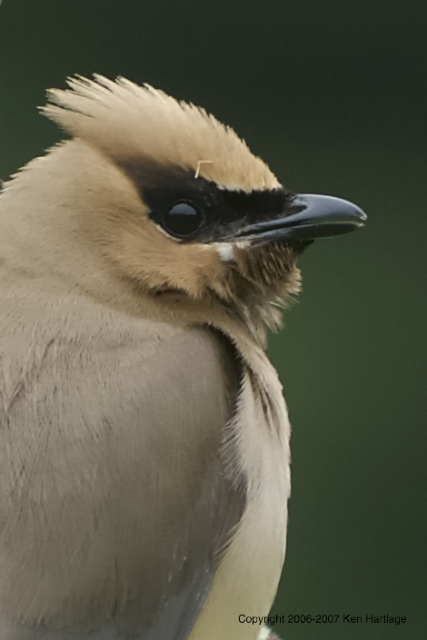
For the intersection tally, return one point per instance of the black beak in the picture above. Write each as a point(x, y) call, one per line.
point(307, 217)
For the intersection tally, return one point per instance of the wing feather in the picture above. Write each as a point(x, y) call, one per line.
point(115, 501)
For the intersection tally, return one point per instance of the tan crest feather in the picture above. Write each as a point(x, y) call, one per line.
point(126, 121)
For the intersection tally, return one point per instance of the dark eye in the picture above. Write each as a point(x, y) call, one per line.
point(182, 220)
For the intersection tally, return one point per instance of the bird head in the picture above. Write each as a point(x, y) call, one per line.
point(200, 216)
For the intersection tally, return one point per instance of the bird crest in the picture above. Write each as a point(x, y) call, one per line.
point(130, 123)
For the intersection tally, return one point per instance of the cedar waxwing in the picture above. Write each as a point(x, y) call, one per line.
point(144, 437)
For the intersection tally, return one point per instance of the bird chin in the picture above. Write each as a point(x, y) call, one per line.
point(264, 275)
point(268, 263)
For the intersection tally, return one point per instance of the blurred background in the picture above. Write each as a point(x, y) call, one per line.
point(333, 96)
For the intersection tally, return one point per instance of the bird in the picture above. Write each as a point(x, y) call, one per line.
point(144, 442)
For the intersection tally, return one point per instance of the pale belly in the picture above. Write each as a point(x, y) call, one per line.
point(247, 579)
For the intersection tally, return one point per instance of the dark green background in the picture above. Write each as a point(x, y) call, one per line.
point(333, 96)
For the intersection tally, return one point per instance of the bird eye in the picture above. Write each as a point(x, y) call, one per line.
point(182, 220)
